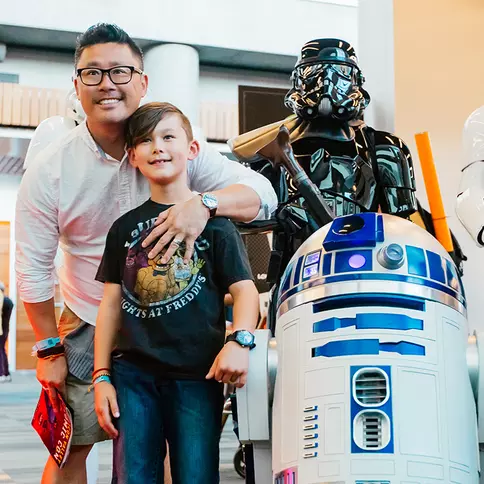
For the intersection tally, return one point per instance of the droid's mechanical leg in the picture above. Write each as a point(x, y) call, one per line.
point(254, 403)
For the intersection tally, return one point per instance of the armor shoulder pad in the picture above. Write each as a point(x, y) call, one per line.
point(396, 175)
point(384, 138)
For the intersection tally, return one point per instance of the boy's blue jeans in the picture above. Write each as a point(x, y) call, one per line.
point(186, 413)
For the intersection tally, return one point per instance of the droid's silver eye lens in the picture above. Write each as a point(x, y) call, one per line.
point(392, 256)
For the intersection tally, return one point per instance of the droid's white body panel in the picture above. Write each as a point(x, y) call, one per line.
point(372, 383)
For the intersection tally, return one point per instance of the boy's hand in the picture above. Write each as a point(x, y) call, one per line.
point(183, 222)
point(105, 403)
point(231, 365)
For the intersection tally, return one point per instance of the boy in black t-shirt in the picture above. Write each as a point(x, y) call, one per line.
point(165, 319)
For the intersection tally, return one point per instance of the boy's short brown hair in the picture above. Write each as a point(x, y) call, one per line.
point(144, 120)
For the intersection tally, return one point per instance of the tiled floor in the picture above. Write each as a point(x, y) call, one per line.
point(22, 455)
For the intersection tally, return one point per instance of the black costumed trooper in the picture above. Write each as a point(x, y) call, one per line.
point(356, 168)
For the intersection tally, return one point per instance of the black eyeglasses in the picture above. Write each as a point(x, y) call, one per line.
point(92, 76)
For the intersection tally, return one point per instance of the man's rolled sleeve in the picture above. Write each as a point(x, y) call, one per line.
point(262, 186)
point(213, 171)
point(36, 233)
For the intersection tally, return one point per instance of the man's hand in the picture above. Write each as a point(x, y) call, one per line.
point(183, 222)
point(231, 365)
point(52, 376)
point(106, 404)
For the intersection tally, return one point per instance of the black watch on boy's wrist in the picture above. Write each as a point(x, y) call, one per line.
point(243, 337)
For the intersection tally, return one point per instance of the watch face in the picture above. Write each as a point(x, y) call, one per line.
point(210, 200)
point(245, 338)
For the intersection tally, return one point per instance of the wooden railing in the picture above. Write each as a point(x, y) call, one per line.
point(28, 106)
point(24, 106)
point(219, 121)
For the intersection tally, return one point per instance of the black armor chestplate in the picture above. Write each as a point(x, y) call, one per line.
point(371, 170)
point(347, 180)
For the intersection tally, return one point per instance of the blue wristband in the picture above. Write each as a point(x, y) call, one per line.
point(46, 344)
point(101, 378)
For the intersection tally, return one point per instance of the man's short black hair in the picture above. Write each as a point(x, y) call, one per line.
point(102, 34)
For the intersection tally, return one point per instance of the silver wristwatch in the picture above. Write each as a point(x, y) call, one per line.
point(211, 202)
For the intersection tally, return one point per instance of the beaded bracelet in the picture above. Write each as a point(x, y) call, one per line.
point(95, 372)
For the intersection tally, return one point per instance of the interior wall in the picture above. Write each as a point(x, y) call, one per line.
point(272, 26)
point(439, 81)
point(39, 68)
point(222, 84)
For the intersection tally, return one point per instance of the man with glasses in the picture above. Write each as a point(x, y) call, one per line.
point(71, 194)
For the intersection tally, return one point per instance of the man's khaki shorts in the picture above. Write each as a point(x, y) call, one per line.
point(78, 339)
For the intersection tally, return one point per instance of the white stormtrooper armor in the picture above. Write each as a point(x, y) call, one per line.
point(470, 200)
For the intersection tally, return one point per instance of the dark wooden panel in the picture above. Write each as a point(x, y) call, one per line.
point(259, 106)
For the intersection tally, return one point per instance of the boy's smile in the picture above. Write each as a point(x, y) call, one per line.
point(159, 161)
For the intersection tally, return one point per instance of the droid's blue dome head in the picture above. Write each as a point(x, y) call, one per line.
point(372, 253)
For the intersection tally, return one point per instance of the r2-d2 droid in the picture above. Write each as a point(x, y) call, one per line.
point(372, 382)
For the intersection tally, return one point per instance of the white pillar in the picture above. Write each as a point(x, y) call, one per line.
point(173, 72)
point(376, 58)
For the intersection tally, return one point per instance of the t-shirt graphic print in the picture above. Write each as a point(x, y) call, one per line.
point(154, 288)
